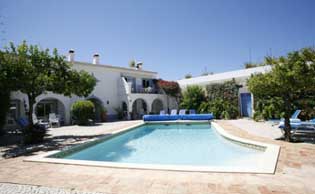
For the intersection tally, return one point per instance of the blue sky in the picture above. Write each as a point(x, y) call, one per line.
point(171, 37)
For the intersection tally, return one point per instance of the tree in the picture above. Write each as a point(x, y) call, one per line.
point(193, 96)
point(248, 65)
point(291, 79)
point(34, 71)
point(4, 93)
point(132, 63)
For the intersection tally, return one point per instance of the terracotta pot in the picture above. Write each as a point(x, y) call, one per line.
point(104, 116)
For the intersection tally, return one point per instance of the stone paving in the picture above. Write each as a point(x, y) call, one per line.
point(7, 188)
point(263, 129)
point(62, 137)
point(294, 174)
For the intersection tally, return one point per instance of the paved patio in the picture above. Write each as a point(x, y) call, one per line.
point(294, 174)
point(263, 129)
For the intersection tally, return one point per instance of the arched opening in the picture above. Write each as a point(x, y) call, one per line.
point(139, 108)
point(47, 106)
point(157, 106)
point(100, 111)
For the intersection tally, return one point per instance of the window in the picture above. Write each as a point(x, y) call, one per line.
point(14, 112)
point(145, 83)
point(43, 108)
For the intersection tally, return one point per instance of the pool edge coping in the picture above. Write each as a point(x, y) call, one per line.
point(266, 166)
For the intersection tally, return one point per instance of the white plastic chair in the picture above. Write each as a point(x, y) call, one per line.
point(174, 112)
point(53, 120)
point(40, 121)
point(182, 112)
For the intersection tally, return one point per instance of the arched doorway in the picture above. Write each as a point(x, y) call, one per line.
point(139, 108)
point(100, 112)
point(50, 105)
point(157, 106)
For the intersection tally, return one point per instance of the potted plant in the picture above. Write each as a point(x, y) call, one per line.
point(103, 114)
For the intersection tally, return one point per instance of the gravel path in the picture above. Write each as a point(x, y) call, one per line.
point(7, 188)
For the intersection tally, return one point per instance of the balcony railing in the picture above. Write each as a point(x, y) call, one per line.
point(147, 90)
point(130, 87)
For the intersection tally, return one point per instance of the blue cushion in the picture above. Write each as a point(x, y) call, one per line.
point(177, 117)
point(197, 117)
point(23, 122)
point(160, 117)
point(173, 117)
point(192, 111)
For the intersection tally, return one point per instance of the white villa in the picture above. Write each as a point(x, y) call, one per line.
point(245, 97)
point(133, 90)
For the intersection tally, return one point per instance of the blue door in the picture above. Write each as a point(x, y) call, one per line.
point(246, 104)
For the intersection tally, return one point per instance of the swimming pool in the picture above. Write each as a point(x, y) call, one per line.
point(172, 146)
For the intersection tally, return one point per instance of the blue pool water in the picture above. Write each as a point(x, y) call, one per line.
point(174, 144)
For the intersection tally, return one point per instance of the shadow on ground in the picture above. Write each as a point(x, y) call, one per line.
point(11, 144)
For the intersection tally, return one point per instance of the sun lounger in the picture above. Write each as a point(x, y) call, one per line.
point(294, 121)
point(182, 112)
point(294, 118)
point(296, 114)
point(173, 116)
point(162, 112)
point(173, 112)
point(180, 116)
point(40, 122)
point(301, 129)
point(193, 116)
point(24, 123)
point(192, 111)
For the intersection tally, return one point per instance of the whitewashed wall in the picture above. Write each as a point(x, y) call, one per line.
point(110, 90)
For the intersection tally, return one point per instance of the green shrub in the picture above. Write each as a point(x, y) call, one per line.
point(103, 112)
point(258, 116)
point(222, 100)
point(83, 112)
point(193, 97)
point(220, 108)
point(120, 113)
point(273, 108)
point(205, 107)
point(265, 109)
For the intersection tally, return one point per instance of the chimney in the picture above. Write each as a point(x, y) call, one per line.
point(139, 65)
point(96, 59)
point(71, 55)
